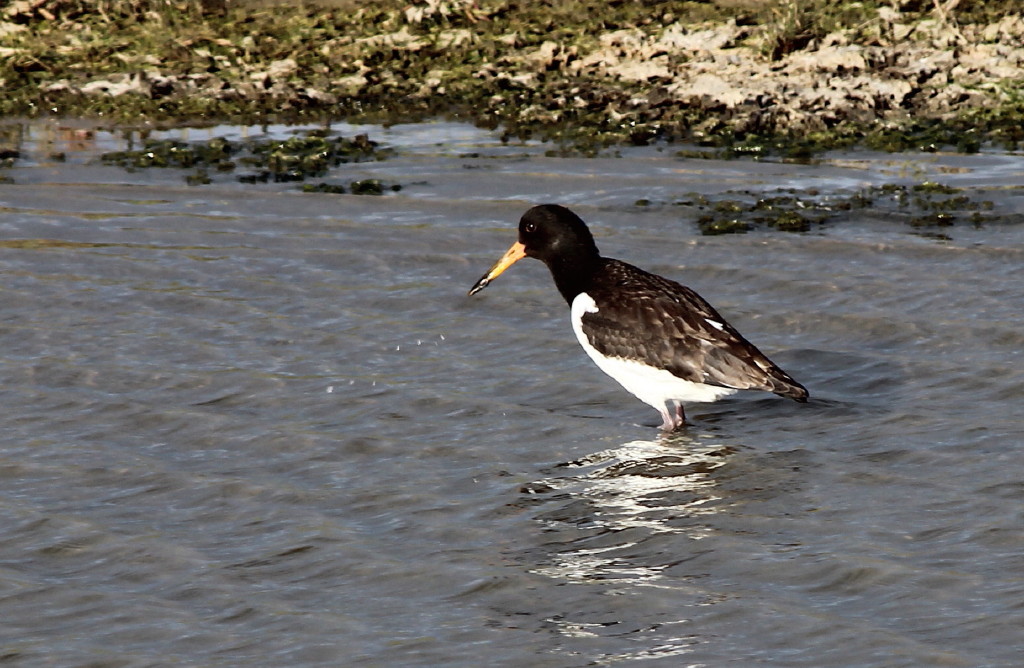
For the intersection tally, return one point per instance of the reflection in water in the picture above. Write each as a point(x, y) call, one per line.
point(627, 495)
point(623, 520)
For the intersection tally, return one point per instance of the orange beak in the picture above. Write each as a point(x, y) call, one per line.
point(514, 254)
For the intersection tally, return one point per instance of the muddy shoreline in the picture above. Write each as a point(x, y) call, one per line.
point(792, 77)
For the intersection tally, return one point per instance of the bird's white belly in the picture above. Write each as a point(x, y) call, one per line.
point(650, 385)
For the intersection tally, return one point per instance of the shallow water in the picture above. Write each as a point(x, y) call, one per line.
point(246, 425)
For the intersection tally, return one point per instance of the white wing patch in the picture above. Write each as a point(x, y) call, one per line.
point(714, 323)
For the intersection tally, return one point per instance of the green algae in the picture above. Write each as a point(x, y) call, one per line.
point(361, 187)
point(297, 158)
point(367, 187)
point(166, 153)
point(922, 207)
point(330, 188)
point(712, 226)
point(784, 212)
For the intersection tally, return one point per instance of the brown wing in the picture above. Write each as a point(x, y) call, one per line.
point(662, 323)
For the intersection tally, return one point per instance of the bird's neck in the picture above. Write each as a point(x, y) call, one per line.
point(573, 273)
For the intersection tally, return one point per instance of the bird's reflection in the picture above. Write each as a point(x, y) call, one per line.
point(607, 511)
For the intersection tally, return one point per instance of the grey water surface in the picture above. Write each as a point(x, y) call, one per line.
point(246, 425)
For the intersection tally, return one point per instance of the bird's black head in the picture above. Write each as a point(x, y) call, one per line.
point(557, 237)
point(553, 234)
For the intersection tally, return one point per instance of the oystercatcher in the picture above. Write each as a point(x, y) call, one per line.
point(660, 340)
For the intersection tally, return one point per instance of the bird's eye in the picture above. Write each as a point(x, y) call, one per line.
point(530, 228)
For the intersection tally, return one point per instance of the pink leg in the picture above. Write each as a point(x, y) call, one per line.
point(680, 415)
point(670, 421)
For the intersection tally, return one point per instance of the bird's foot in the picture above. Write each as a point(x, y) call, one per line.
point(673, 422)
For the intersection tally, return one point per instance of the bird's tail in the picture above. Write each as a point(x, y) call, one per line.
point(785, 386)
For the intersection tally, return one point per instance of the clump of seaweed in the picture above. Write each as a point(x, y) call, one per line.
point(930, 204)
point(784, 212)
point(361, 187)
point(922, 207)
point(311, 155)
point(215, 153)
point(297, 158)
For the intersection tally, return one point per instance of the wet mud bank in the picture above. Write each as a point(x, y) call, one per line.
point(794, 77)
